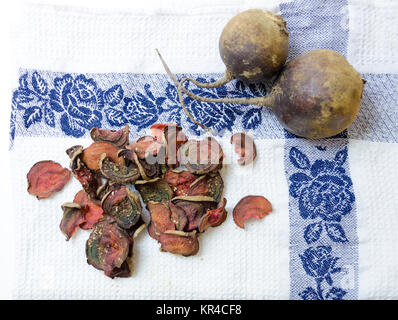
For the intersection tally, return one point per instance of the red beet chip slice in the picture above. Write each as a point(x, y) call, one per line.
point(179, 242)
point(123, 205)
point(173, 138)
point(46, 177)
point(160, 219)
point(92, 209)
point(179, 181)
point(119, 138)
point(145, 146)
point(195, 207)
point(211, 185)
point(178, 216)
point(158, 130)
point(156, 191)
point(72, 218)
point(152, 232)
point(91, 156)
point(108, 248)
point(251, 207)
point(89, 180)
point(214, 218)
point(244, 146)
point(201, 156)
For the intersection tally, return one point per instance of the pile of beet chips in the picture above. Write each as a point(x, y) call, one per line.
point(119, 177)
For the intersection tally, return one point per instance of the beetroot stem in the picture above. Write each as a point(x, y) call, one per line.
point(174, 79)
point(262, 101)
point(227, 77)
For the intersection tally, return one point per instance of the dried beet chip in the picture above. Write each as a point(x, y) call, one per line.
point(152, 232)
point(91, 155)
point(108, 247)
point(195, 198)
point(251, 207)
point(178, 242)
point(173, 138)
point(244, 146)
point(145, 146)
point(89, 180)
point(92, 209)
point(74, 151)
point(158, 191)
point(158, 129)
point(119, 138)
point(160, 218)
point(213, 218)
point(211, 185)
point(46, 178)
point(146, 181)
point(72, 218)
point(201, 156)
point(124, 271)
point(123, 205)
point(146, 170)
point(178, 216)
point(179, 181)
point(195, 208)
point(136, 229)
point(118, 173)
point(193, 211)
point(107, 187)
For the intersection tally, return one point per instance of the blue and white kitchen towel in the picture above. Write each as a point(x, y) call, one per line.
point(333, 233)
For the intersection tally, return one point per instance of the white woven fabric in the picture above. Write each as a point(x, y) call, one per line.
point(115, 40)
point(375, 175)
point(232, 263)
point(373, 45)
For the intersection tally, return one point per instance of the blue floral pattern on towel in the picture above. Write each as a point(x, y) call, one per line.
point(323, 192)
point(323, 238)
point(79, 101)
point(76, 103)
point(319, 263)
point(322, 196)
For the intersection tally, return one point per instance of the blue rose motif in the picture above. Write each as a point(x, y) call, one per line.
point(31, 98)
point(80, 101)
point(309, 294)
point(141, 114)
point(327, 197)
point(172, 105)
point(218, 116)
point(13, 123)
point(325, 191)
point(319, 263)
point(171, 93)
point(143, 109)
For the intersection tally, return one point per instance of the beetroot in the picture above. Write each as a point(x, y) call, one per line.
point(316, 95)
point(253, 46)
